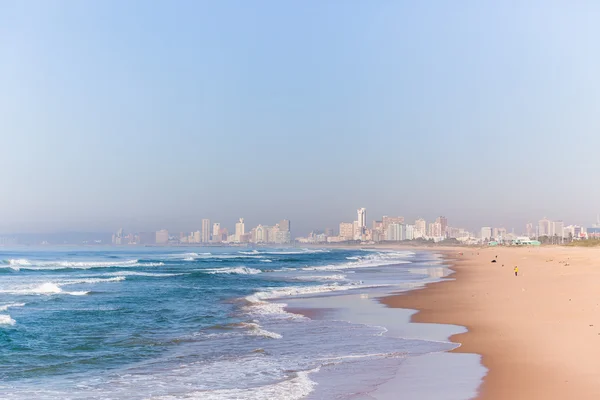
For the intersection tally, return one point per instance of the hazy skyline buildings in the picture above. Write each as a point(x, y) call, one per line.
point(205, 230)
point(240, 230)
point(162, 236)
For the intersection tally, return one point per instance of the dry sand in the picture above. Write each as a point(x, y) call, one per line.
point(538, 333)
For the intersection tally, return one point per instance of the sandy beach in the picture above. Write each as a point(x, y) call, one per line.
point(538, 333)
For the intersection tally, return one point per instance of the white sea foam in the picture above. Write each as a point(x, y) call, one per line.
point(50, 288)
point(11, 305)
point(210, 256)
point(249, 252)
point(261, 306)
point(256, 330)
point(137, 273)
point(232, 270)
point(18, 264)
point(291, 252)
point(92, 280)
point(337, 277)
point(266, 260)
point(47, 288)
point(369, 261)
point(191, 256)
point(5, 319)
point(296, 387)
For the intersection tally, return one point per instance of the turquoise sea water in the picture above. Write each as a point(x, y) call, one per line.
point(206, 323)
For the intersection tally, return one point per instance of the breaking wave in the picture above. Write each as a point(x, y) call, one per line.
point(233, 270)
point(18, 264)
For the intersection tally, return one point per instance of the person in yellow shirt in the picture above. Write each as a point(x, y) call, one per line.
point(516, 270)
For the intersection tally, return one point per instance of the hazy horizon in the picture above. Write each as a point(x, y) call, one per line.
point(148, 116)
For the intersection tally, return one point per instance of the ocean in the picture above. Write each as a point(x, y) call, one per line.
point(211, 323)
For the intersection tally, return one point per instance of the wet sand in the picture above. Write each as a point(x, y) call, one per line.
point(538, 333)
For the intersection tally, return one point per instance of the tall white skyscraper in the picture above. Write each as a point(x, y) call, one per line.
point(544, 227)
point(216, 232)
point(205, 230)
point(239, 230)
point(362, 218)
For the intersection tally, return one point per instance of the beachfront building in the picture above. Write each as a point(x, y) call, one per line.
point(435, 230)
point(486, 233)
point(544, 227)
point(205, 236)
point(386, 221)
point(216, 232)
point(162, 236)
point(347, 230)
point(395, 232)
point(529, 231)
point(420, 228)
point(557, 229)
point(362, 219)
point(525, 241)
point(260, 234)
point(239, 230)
point(443, 222)
point(356, 231)
point(410, 232)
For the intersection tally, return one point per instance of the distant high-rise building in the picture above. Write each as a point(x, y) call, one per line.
point(347, 231)
point(328, 232)
point(529, 231)
point(285, 225)
point(224, 233)
point(196, 237)
point(410, 232)
point(544, 227)
point(435, 230)
point(239, 230)
point(420, 228)
point(362, 218)
point(557, 229)
point(260, 234)
point(205, 230)
point(356, 235)
point(378, 226)
point(396, 232)
point(486, 233)
point(119, 237)
point(386, 221)
point(162, 236)
point(443, 221)
point(216, 232)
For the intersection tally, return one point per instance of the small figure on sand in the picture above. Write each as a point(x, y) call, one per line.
point(516, 270)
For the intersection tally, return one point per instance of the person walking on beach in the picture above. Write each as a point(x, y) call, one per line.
point(516, 270)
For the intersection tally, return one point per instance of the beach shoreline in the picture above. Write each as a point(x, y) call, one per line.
point(537, 332)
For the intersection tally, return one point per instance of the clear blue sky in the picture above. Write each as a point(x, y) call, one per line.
point(157, 114)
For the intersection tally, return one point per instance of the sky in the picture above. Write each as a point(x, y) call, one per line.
point(150, 115)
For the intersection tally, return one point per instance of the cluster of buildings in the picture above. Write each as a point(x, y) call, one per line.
point(214, 234)
point(546, 230)
point(388, 229)
point(396, 229)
